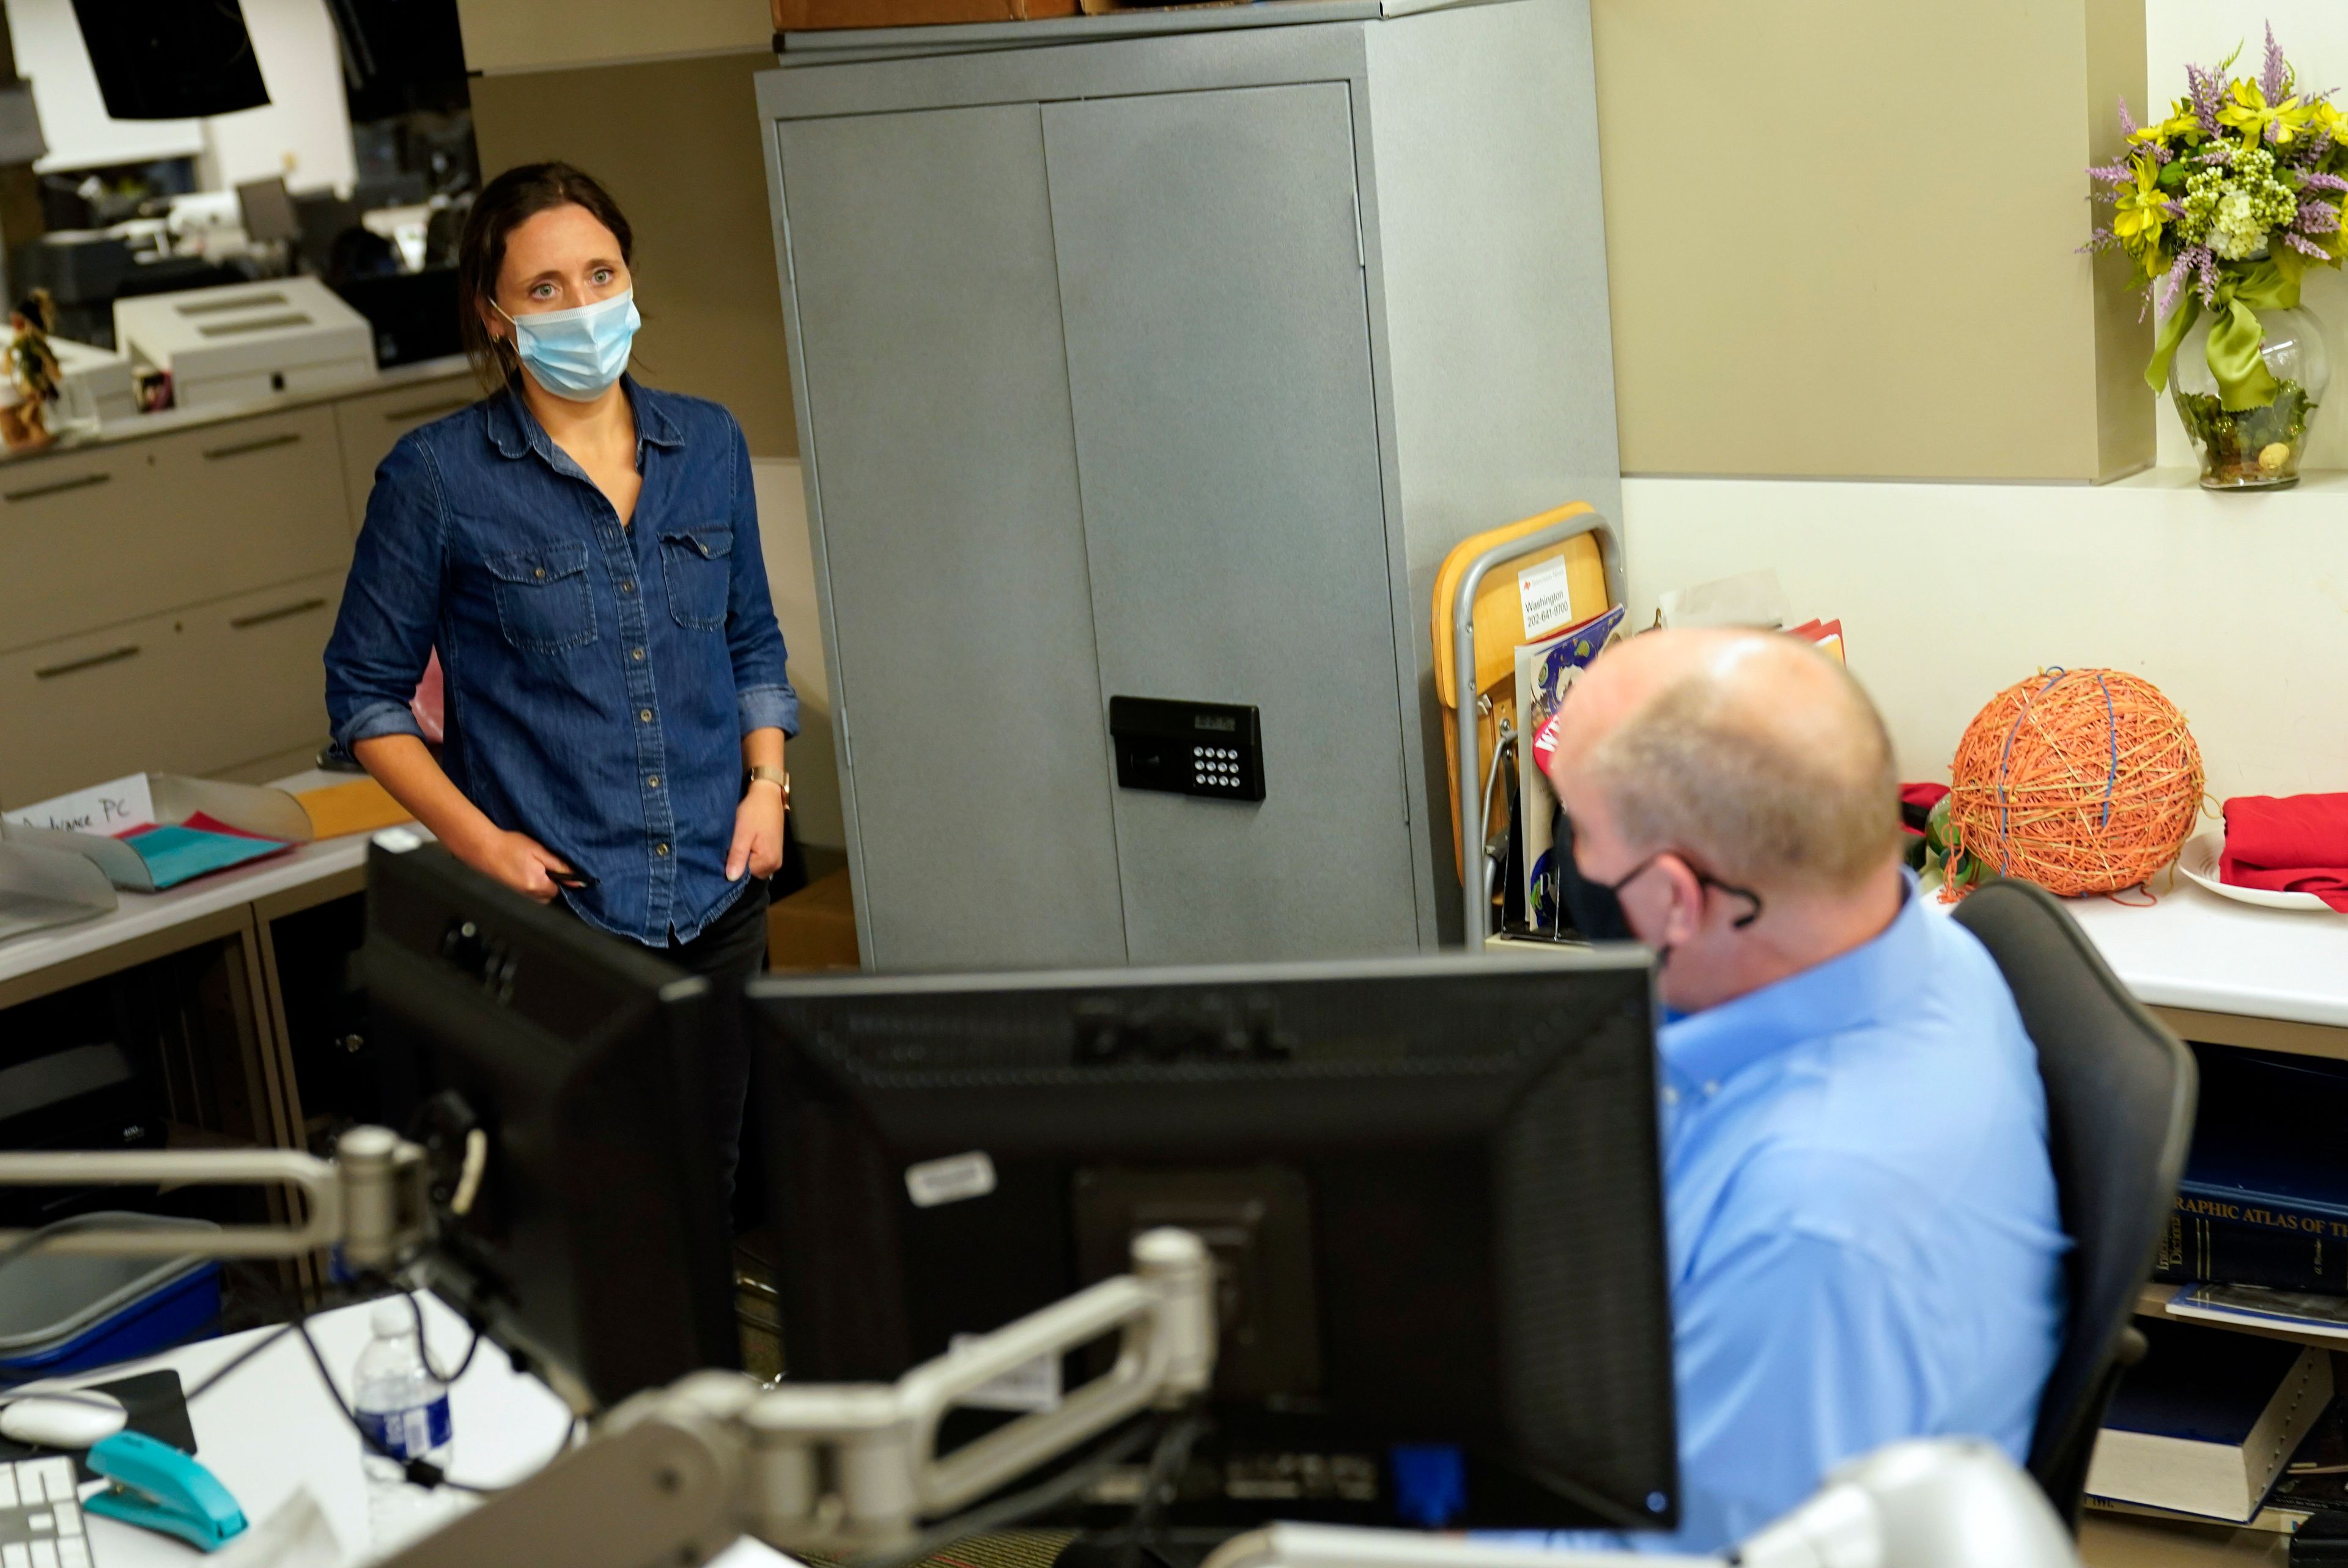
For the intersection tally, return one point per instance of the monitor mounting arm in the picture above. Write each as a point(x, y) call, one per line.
point(677, 1474)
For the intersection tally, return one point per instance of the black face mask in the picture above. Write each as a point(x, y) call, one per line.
point(1596, 907)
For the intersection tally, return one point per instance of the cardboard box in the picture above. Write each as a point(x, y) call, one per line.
point(806, 16)
point(815, 927)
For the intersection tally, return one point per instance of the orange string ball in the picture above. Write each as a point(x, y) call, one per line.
point(2082, 781)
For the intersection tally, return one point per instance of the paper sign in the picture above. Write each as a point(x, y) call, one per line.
point(104, 810)
point(949, 1179)
point(1547, 602)
point(1033, 1385)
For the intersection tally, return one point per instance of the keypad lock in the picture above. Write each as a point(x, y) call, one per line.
point(1209, 749)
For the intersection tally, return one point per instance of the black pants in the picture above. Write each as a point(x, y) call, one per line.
point(729, 951)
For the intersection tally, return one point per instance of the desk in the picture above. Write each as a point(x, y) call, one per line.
point(270, 1429)
point(230, 1049)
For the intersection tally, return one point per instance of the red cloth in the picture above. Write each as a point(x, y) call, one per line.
point(1924, 797)
point(2287, 844)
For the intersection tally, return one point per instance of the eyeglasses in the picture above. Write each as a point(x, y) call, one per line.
point(1703, 879)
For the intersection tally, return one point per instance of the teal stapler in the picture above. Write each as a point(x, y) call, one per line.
point(156, 1487)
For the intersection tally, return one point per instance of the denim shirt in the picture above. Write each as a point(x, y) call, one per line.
point(599, 678)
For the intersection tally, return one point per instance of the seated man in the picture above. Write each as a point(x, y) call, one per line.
point(1864, 1238)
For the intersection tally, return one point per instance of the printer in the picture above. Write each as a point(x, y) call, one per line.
point(240, 342)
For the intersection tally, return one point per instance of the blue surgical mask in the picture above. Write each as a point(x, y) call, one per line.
point(578, 354)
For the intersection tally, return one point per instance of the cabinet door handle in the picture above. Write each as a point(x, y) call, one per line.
point(425, 410)
point(112, 656)
point(263, 618)
point(283, 438)
point(59, 486)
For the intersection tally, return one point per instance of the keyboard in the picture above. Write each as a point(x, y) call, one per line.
point(40, 1515)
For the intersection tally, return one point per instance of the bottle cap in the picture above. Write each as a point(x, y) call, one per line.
point(391, 1319)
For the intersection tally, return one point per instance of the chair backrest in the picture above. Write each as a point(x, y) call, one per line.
point(2120, 1093)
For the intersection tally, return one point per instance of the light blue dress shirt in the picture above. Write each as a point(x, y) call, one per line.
point(1865, 1243)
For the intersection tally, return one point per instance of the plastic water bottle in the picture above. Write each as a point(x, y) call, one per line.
point(406, 1410)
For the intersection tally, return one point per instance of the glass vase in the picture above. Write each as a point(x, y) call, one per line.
point(2253, 449)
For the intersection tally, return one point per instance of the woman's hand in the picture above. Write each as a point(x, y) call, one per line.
point(757, 832)
point(518, 861)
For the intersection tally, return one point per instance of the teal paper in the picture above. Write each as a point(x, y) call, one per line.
point(177, 854)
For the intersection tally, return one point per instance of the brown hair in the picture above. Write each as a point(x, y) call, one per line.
point(504, 204)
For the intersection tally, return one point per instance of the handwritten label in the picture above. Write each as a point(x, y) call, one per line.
point(1547, 599)
point(106, 810)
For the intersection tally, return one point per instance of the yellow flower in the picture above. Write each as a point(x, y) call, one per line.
point(2250, 114)
point(2181, 119)
point(2139, 214)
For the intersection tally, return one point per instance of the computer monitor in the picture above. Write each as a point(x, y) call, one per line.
point(1431, 1185)
point(596, 1244)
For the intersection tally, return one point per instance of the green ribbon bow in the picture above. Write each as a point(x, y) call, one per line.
point(2243, 381)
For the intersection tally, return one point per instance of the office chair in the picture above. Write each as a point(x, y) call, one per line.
point(2120, 1093)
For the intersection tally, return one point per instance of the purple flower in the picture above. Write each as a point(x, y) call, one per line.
point(2316, 218)
point(2275, 80)
point(2127, 120)
point(2205, 275)
point(2113, 173)
point(2173, 285)
point(2305, 246)
point(2160, 154)
point(2207, 91)
point(2318, 181)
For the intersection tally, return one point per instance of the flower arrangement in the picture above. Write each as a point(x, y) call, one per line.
point(2223, 206)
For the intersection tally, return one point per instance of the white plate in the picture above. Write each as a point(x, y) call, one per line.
point(2198, 861)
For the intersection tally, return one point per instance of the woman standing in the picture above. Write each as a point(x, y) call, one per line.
point(584, 553)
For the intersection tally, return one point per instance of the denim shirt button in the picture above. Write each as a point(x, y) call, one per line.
point(643, 715)
point(637, 654)
point(627, 585)
point(661, 850)
point(653, 783)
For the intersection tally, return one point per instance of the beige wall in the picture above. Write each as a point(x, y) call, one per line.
point(1840, 236)
point(677, 143)
point(537, 34)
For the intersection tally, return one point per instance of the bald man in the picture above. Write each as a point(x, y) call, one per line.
point(1864, 1238)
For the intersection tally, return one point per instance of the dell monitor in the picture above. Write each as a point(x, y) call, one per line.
point(1431, 1186)
point(597, 1242)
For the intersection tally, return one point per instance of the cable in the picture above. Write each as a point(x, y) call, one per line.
point(423, 1351)
point(1019, 1506)
point(1158, 1483)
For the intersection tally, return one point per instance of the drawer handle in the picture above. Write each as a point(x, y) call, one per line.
point(78, 482)
point(263, 618)
point(112, 656)
point(422, 410)
point(283, 438)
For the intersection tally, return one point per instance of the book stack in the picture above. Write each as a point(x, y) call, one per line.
point(2264, 1201)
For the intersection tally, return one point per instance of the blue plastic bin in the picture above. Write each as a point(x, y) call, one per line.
point(62, 1312)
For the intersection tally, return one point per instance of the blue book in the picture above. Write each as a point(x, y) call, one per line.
point(2265, 1195)
point(2205, 1423)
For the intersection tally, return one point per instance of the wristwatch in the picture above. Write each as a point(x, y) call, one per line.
point(779, 777)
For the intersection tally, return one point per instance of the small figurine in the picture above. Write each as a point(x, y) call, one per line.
point(33, 380)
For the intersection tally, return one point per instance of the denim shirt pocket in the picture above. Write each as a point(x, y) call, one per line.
point(699, 566)
point(543, 601)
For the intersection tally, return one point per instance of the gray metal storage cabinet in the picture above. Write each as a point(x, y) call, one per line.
point(1164, 356)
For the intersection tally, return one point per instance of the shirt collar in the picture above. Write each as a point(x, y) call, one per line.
point(515, 431)
point(1868, 982)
